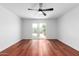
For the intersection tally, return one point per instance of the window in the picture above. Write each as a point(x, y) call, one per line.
point(39, 30)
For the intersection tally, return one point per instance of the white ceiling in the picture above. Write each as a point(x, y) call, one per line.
point(20, 9)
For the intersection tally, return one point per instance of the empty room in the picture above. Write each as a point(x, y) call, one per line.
point(39, 29)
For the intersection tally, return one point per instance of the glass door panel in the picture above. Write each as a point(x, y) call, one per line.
point(39, 31)
point(42, 30)
point(35, 31)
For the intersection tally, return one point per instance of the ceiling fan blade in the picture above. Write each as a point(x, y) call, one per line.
point(32, 9)
point(50, 9)
point(43, 13)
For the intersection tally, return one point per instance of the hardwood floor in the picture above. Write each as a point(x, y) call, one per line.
point(39, 48)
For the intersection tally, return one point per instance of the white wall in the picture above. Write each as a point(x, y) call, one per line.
point(69, 28)
point(27, 27)
point(9, 28)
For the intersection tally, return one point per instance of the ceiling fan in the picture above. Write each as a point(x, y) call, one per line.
point(41, 9)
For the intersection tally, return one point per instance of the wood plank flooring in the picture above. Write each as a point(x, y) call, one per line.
point(48, 47)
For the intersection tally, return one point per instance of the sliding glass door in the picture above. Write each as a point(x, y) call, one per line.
point(39, 31)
